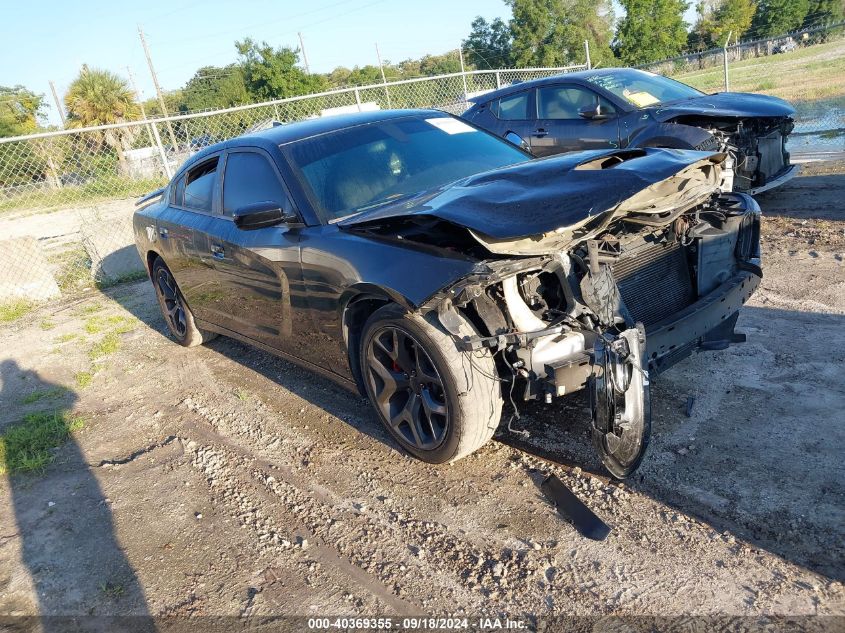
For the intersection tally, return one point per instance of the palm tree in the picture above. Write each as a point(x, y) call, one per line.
point(100, 97)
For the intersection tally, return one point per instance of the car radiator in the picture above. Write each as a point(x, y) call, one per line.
point(654, 279)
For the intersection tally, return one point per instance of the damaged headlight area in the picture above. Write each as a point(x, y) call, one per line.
point(610, 310)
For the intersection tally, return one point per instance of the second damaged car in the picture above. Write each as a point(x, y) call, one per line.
point(439, 270)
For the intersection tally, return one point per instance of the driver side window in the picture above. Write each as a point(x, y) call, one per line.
point(566, 102)
point(249, 178)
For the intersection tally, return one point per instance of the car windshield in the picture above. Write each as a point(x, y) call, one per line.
point(368, 165)
point(642, 89)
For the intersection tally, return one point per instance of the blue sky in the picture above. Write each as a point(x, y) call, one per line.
point(54, 40)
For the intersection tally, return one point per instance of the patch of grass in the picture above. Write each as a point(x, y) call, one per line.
point(116, 323)
point(26, 446)
point(14, 310)
point(241, 394)
point(83, 378)
point(106, 186)
point(768, 84)
point(64, 338)
point(91, 308)
point(47, 324)
point(106, 346)
point(43, 394)
point(112, 590)
point(73, 270)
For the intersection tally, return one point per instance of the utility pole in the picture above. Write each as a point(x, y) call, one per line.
point(58, 104)
point(304, 54)
point(587, 53)
point(725, 59)
point(383, 78)
point(151, 128)
point(158, 88)
point(463, 71)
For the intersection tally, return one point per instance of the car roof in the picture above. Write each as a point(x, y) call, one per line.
point(298, 130)
point(579, 77)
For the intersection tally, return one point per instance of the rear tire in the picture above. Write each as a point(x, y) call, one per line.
point(438, 403)
point(174, 308)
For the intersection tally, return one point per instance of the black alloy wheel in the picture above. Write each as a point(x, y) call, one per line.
point(171, 300)
point(408, 389)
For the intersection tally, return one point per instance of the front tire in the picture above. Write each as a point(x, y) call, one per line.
point(174, 309)
point(438, 403)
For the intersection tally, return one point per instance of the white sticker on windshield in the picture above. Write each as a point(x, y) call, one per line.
point(450, 125)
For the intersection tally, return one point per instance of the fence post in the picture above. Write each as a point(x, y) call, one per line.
point(168, 172)
point(358, 99)
point(276, 110)
point(587, 51)
point(498, 80)
point(725, 61)
point(463, 72)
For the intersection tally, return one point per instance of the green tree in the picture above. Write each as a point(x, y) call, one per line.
point(431, 65)
point(212, 88)
point(20, 110)
point(99, 97)
point(717, 20)
point(821, 12)
point(651, 30)
point(776, 17)
point(23, 162)
point(552, 32)
point(488, 45)
point(271, 73)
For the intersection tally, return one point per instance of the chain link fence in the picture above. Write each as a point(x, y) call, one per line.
point(67, 197)
point(807, 68)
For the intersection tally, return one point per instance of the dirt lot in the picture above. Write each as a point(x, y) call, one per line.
point(221, 480)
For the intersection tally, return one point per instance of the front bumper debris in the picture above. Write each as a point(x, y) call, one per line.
point(689, 328)
point(786, 176)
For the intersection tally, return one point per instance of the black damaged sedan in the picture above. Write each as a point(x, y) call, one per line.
point(624, 108)
point(439, 269)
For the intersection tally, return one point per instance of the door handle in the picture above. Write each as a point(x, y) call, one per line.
point(540, 133)
point(217, 252)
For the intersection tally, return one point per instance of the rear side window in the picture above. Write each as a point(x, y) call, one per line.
point(199, 186)
point(250, 178)
point(513, 108)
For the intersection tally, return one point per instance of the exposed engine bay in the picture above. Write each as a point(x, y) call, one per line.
point(757, 147)
point(606, 303)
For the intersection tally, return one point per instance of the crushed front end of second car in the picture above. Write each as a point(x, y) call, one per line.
point(630, 294)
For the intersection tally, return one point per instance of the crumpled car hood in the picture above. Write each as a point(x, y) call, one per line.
point(727, 104)
point(542, 196)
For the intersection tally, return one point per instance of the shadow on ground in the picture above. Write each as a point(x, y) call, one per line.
point(69, 562)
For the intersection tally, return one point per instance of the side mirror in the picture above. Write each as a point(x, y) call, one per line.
point(515, 139)
point(260, 215)
point(592, 111)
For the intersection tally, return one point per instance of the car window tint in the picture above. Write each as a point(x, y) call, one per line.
point(565, 102)
point(199, 186)
point(367, 165)
point(513, 108)
point(250, 178)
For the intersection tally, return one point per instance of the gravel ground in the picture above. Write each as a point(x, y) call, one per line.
point(223, 481)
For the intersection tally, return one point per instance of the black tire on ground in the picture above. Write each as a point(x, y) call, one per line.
point(438, 403)
point(174, 308)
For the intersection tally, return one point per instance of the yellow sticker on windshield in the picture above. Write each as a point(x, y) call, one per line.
point(641, 99)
